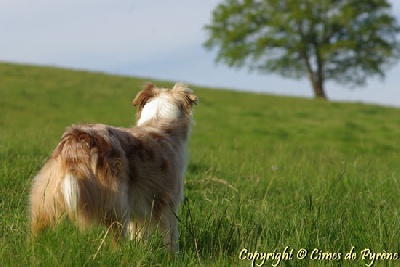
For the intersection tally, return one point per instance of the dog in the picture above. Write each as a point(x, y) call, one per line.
point(128, 179)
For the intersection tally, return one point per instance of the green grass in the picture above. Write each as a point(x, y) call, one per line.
point(265, 172)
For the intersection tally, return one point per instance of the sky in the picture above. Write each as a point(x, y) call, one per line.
point(152, 39)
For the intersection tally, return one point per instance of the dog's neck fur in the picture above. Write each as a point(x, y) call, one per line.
point(158, 109)
point(165, 115)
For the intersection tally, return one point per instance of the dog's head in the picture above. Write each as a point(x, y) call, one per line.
point(161, 103)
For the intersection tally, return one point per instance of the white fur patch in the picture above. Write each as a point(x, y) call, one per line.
point(161, 107)
point(70, 191)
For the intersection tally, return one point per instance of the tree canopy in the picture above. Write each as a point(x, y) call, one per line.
point(346, 41)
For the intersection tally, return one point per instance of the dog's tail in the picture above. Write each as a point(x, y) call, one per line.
point(79, 153)
point(76, 180)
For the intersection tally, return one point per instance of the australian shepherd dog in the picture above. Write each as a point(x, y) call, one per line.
point(128, 179)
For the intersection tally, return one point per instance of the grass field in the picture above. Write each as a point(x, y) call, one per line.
point(266, 173)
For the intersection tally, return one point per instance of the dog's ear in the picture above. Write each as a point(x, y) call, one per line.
point(192, 98)
point(144, 95)
point(182, 89)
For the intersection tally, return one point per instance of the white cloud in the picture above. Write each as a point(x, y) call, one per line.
point(66, 30)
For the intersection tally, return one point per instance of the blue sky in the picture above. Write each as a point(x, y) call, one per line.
point(154, 39)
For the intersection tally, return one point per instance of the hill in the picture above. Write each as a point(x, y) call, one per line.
point(265, 173)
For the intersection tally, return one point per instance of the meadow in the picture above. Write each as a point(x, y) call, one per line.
point(306, 181)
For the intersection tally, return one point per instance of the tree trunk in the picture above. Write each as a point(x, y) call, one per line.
point(316, 77)
point(319, 92)
point(317, 85)
point(317, 81)
point(318, 88)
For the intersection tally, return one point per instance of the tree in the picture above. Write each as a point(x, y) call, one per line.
point(346, 41)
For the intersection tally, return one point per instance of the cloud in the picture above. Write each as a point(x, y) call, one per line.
point(47, 31)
